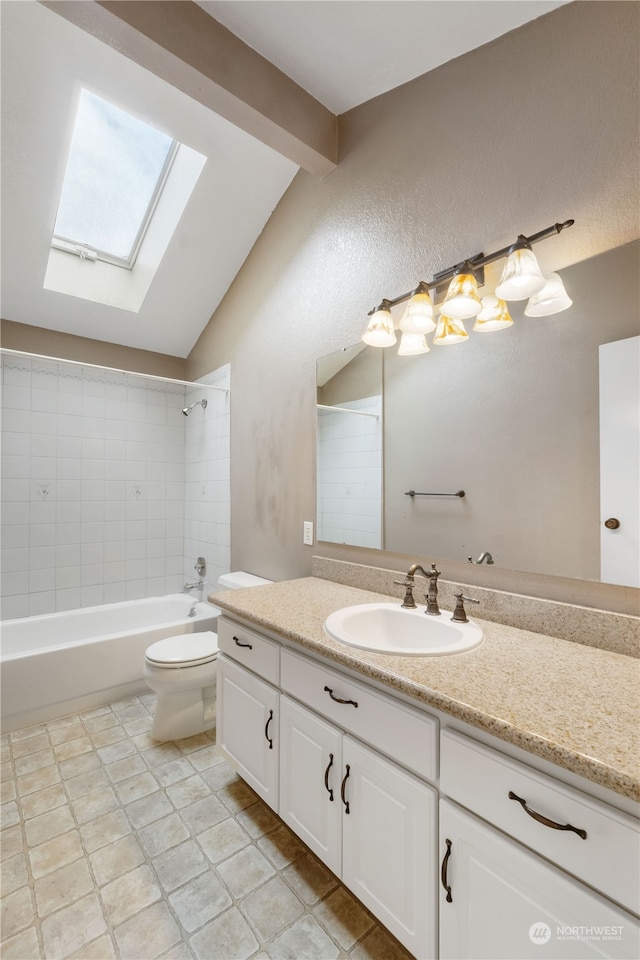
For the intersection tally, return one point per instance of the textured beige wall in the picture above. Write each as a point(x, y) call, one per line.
point(52, 343)
point(536, 127)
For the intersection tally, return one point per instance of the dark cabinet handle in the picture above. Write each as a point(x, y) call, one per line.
point(544, 820)
point(443, 871)
point(342, 789)
point(239, 644)
point(337, 699)
point(326, 778)
point(266, 728)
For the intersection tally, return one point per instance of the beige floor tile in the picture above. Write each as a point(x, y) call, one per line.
point(147, 935)
point(379, 945)
point(237, 795)
point(203, 814)
point(11, 841)
point(116, 751)
point(257, 819)
point(105, 829)
point(200, 740)
point(62, 887)
point(199, 901)
point(23, 748)
point(173, 771)
point(48, 825)
point(180, 951)
point(38, 780)
point(125, 768)
point(86, 783)
point(61, 722)
point(219, 776)
point(179, 864)
point(147, 809)
point(26, 733)
point(221, 841)
point(282, 847)
point(135, 787)
point(65, 932)
point(70, 732)
point(205, 758)
point(23, 947)
point(103, 722)
point(163, 834)
point(188, 791)
point(7, 791)
point(13, 873)
point(100, 949)
point(9, 814)
point(129, 894)
point(305, 938)
point(34, 761)
point(16, 912)
point(229, 935)
point(103, 738)
point(272, 908)
point(94, 805)
point(310, 879)
point(136, 727)
point(78, 765)
point(160, 754)
point(38, 803)
point(244, 871)
point(133, 712)
point(52, 854)
point(74, 748)
point(116, 859)
point(343, 917)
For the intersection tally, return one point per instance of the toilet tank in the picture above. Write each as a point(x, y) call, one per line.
point(233, 581)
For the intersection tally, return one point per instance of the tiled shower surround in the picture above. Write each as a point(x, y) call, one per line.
point(116, 846)
point(108, 492)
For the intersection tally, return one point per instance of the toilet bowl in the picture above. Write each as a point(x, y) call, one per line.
point(181, 670)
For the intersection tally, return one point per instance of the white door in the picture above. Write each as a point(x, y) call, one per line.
point(389, 837)
point(505, 903)
point(620, 462)
point(310, 778)
point(247, 728)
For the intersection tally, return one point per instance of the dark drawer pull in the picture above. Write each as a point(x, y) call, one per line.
point(544, 820)
point(443, 872)
point(326, 778)
point(266, 728)
point(240, 644)
point(337, 699)
point(343, 787)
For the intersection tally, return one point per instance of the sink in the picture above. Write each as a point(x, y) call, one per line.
point(389, 628)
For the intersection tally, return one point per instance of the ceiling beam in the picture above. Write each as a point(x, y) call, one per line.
point(180, 43)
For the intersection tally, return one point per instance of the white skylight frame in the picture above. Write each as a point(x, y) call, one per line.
point(127, 126)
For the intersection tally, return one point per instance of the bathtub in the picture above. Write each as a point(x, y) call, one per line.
point(62, 663)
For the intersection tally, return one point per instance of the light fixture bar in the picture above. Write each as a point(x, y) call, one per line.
point(475, 263)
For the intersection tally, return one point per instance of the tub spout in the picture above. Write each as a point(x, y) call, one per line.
point(194, 585)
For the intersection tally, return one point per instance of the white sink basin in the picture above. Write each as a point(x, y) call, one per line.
point(389, 628)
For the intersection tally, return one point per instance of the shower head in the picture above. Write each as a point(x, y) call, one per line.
point(198, 403)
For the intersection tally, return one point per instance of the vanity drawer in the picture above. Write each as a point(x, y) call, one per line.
point(249, 648)
point(407, 736)
point(481, 779)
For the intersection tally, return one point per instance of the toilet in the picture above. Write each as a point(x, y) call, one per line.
point(181, 670)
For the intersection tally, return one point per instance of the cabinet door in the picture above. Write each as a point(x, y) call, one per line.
point(247, 728)
point(389, 856)
point(508, 903)
point(310, 776)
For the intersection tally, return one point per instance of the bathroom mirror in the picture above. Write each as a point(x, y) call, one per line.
point(511, 418)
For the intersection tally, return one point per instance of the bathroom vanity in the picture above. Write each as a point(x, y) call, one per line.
point(454, 796)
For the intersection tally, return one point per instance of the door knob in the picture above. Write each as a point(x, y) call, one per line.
point(612, 523)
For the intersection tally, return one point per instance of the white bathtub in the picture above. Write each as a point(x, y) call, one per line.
point(61, 663)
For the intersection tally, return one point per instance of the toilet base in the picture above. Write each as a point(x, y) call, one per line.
point(184, 713)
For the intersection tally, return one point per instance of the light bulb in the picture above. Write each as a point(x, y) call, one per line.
point(418, 316)
point(493, 316)
point(462, 300)
point(521, 277)
point(449, 330)
point(413, 344)
point(553, 298)
point(380, 331)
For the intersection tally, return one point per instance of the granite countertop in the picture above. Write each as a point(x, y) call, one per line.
point(573, 705)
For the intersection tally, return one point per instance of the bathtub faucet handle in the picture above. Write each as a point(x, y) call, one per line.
point(200, 566)
point(194, 585)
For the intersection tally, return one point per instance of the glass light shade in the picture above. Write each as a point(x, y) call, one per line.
point(418, 316)
point(462, 300)
point(380, 331)
point(521, 277)
point(449, 330)
point(413, 344)
point(553, 298)
point(493, 316)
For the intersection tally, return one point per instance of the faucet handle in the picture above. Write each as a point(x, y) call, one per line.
point(408, 584)
point(460, 614)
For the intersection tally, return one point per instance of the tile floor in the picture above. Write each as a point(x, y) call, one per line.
point(116, 846)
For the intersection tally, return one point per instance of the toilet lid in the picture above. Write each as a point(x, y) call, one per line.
point(185, 649)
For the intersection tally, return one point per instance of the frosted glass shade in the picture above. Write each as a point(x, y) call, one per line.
point(521, 277)
point(418, 316)
point(413, 344)
point(462, 300)
point(493, 316)
point(449, 330)
point(553, 298)
point(380, 332)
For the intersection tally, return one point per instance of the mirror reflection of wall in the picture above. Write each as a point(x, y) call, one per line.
point(512, 418)
point(349, 448)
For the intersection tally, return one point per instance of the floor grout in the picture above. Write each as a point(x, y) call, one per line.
point(116, 846)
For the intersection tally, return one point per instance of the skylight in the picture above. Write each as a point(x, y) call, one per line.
point(115, 172)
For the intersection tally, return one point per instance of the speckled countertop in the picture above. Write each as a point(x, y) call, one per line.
point(573, 705)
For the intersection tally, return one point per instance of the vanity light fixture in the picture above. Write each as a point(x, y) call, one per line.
point(521, 279)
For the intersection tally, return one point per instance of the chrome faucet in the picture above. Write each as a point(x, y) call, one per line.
point(409, 583)
point(194, 585)
point(486, 556)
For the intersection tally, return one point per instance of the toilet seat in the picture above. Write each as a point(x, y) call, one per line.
point(183, 650)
